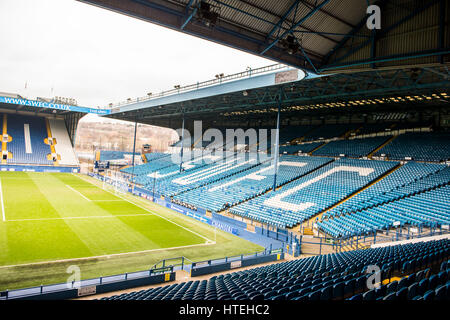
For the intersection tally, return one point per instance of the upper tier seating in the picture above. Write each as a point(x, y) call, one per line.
point(326, 277)
point(303, 148)
point(426, 146)
point(27, 147)
point(369, 128)
point(299, 200)
point(355, 148)
point(249, 183)
point(288, 134)
point(328, 131)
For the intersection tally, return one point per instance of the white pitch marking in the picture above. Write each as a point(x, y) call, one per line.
point(152, 212)
point(108, 255)
point(1, 198)
point(78, 193)
point(83, 217)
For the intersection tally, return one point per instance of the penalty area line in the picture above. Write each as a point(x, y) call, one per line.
point(78, 193)
point(153, 212)
point(107, 255)
point(82, 217)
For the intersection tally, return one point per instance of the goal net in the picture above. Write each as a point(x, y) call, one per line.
point(116, 181)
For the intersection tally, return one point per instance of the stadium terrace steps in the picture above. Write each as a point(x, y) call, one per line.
point(317, 148)
point(62, 146)
point(370, 155)
point(51, 142)
point(5, 138)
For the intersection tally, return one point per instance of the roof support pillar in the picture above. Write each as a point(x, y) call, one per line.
point(182, 144)
point(277, 139)
point(134, 145)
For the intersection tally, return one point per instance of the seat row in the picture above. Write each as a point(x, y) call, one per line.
point(326, 277)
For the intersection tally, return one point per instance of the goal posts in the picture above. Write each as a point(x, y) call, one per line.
point(116, 181)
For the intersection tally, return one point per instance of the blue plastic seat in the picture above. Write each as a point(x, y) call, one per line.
point(356, 297)
point(338, 290)
point(326, 293)
point(392, 287)
point(402, 294)
point(314, 296)
point(369, 295)
point(391, 296)
point(422, 287)
point(349, 287)
point(429, 295)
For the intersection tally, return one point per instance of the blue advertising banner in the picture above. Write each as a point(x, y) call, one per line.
point(12, 167)
point(42, 104)
point(187, 212)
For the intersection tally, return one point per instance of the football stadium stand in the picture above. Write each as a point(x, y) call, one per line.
point(63, 145)
point(27, 145)
point(249, 183)
point(147, 179)
point(410, 172)
point(153, 163)
point(303, 198)
point(433, 146)
point(354, 148)
point(155, 155)
point(422, 268)
point(200, 176)
point(36, 143)
point(108, 155)
point(404, 204)
point(302, 148)
point(329, 131)
point(289, 134)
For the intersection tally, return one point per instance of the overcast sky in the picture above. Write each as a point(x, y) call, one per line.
point(75, 50)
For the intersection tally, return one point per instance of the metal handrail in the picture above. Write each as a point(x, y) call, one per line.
point(198, 85)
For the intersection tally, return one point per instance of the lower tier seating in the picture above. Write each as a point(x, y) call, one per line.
point(203, 175)
point(249, 183)
point(303, 198)
point(326, 277)
point(421, 203)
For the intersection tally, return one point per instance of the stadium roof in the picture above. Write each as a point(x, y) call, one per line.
point(258, 96)
point(10, 102)
point(315, 35)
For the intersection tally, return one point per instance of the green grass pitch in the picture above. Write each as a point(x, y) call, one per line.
point(53, 220)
